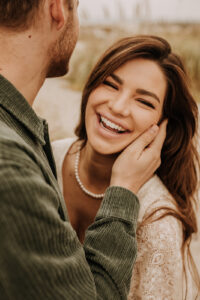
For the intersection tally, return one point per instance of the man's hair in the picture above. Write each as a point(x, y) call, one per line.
point(20, 14)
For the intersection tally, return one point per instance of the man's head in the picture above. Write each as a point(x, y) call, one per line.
point(53, 22)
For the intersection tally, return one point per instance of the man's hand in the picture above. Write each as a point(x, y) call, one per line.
point(138, 162)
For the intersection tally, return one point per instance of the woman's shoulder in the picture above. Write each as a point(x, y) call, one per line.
point(63, 143)
point(162, 233)
point(154, 195)
point(61, 147)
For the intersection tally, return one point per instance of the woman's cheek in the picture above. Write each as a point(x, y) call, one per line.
point(145, 119)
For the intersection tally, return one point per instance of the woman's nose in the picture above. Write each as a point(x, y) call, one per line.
point(120, 105)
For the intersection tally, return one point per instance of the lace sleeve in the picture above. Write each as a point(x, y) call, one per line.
point(158, 271)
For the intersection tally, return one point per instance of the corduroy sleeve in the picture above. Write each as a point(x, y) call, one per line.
point(40, 255)
point(110, 243)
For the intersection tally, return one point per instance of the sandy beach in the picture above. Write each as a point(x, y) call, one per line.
point(60, 107)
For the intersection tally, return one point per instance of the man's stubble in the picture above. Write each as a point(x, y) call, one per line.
point(60, 52)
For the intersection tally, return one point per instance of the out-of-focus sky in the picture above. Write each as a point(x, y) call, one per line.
point(102, 11)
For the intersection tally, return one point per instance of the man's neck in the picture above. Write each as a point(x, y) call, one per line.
point(23, 63)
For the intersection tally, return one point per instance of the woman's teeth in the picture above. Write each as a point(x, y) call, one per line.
point(112, 126)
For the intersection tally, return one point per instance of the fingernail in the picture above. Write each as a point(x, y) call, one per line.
point(154, 129)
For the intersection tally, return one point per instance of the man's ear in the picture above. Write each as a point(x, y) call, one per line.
point(58, 13)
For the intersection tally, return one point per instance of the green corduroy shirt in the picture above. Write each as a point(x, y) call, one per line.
point(40, 254)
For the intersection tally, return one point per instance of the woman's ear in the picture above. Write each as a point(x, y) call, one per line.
point(58, 13)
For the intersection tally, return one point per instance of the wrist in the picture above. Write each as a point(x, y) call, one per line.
point(125, 185)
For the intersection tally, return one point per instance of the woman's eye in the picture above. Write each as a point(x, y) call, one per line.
point(147, 103)
point(114, 86)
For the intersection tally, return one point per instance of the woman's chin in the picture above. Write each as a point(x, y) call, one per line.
point(108, 149)
point(107, 142)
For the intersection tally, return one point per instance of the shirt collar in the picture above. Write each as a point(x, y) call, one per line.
point(16, 104)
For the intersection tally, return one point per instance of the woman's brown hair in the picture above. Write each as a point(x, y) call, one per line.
point(180, 160)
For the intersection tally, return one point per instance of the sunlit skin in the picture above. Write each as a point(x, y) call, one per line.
point(132, 97)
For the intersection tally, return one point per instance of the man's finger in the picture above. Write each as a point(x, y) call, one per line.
point(144, 139)
point(158, 142)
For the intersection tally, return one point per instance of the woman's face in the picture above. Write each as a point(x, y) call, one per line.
point(126, 104)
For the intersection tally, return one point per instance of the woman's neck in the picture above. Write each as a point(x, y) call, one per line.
point(95, 169)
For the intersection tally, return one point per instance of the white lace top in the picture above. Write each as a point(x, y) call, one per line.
point(158, 271)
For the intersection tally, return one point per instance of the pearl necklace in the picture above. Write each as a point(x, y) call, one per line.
point(93, 195)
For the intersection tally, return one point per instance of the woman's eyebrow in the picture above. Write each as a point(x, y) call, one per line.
point(117, 78)
point(148, 93)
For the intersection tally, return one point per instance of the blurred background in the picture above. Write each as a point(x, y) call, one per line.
point(101, 23)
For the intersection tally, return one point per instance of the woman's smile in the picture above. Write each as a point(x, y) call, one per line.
point(114, 129)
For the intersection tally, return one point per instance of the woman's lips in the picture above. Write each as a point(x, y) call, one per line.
point(117, 131)
point(113, 122)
